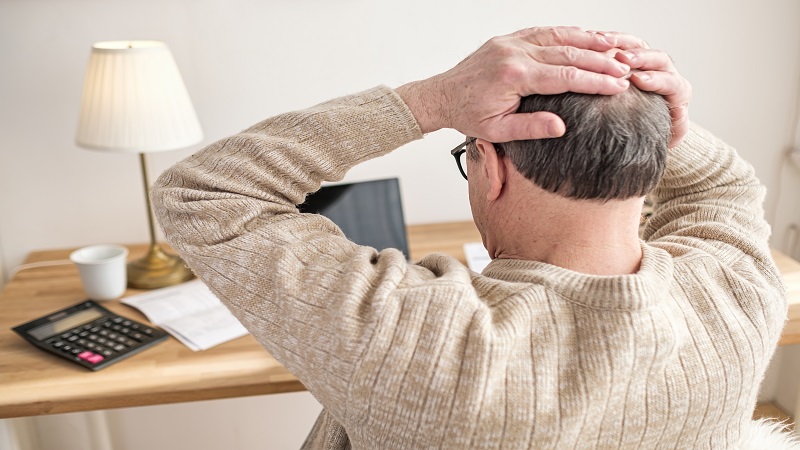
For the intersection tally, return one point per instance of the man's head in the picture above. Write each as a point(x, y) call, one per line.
point(548, 191)
point(614, 148)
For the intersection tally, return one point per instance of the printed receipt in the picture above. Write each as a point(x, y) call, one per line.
point(190, 313)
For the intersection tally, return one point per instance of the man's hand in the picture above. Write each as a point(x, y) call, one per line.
point(657, 74)
point(479, 96)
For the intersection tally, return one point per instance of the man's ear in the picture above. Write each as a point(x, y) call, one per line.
point(493, 169)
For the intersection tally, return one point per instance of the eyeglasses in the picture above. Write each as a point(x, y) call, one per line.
point(460, 154)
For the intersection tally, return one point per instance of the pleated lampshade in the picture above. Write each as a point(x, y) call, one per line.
point(134, 100)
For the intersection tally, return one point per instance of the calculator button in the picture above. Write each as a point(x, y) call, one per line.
point(58, 344)
point(127, 323)
point(107, 352)
point(130, 343)
point(84, 333)
point(105, 333)
point(119, 347)
point(67, 348)
point(91, 345)
point(147, 330)
point(73, 338)
point(117, 319)
point(66, 335)
point(76, 351)
point(138, 336)
point(125, 330)
point(93, 358)
point(82, 342)
point(95, 329)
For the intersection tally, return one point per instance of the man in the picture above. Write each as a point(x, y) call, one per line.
point(577, 335)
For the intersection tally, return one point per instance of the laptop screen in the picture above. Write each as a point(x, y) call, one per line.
point(369, 213)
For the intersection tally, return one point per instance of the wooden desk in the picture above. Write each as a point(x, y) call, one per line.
point(35, 383)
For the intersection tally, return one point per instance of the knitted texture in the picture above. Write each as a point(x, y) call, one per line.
point(526, 355)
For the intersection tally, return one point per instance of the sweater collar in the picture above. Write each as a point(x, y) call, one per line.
point(641, 290)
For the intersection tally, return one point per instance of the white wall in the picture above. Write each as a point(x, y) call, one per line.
point(244, 60)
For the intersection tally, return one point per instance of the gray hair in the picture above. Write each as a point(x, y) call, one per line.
point(615, 147)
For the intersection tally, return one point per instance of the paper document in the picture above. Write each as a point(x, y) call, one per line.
point(477, 256)
point(190, 313)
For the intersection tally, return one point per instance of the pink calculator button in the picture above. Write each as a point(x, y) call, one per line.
point(93, 358)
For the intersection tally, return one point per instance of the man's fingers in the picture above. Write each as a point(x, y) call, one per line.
point(646, 59)
point(583, 59)
point(576, 37)
point(680, 124)
point(675, 88)
point(519, 126)
point(550, 80)
point(566, 36)
point(622, 41)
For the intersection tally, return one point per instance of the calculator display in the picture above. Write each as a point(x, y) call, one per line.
point(71, 321)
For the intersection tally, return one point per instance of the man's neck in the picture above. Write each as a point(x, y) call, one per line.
point(584, 236)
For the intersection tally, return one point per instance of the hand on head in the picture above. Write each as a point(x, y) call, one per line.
point(480, 96)
point(656, 73)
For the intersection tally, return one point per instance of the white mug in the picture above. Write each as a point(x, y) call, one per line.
point(103, 270)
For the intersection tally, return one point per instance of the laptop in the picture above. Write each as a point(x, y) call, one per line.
point(368, 213)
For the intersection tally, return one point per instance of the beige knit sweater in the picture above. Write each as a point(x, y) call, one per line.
point(524, 356)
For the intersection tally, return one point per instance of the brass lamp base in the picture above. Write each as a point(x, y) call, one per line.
point(157, 269)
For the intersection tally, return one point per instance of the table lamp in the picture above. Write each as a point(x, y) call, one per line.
point(134, 101)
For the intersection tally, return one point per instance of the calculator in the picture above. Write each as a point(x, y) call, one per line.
point(89, 335)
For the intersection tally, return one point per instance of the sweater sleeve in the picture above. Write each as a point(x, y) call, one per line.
point(710, 200)
point(305, 292)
